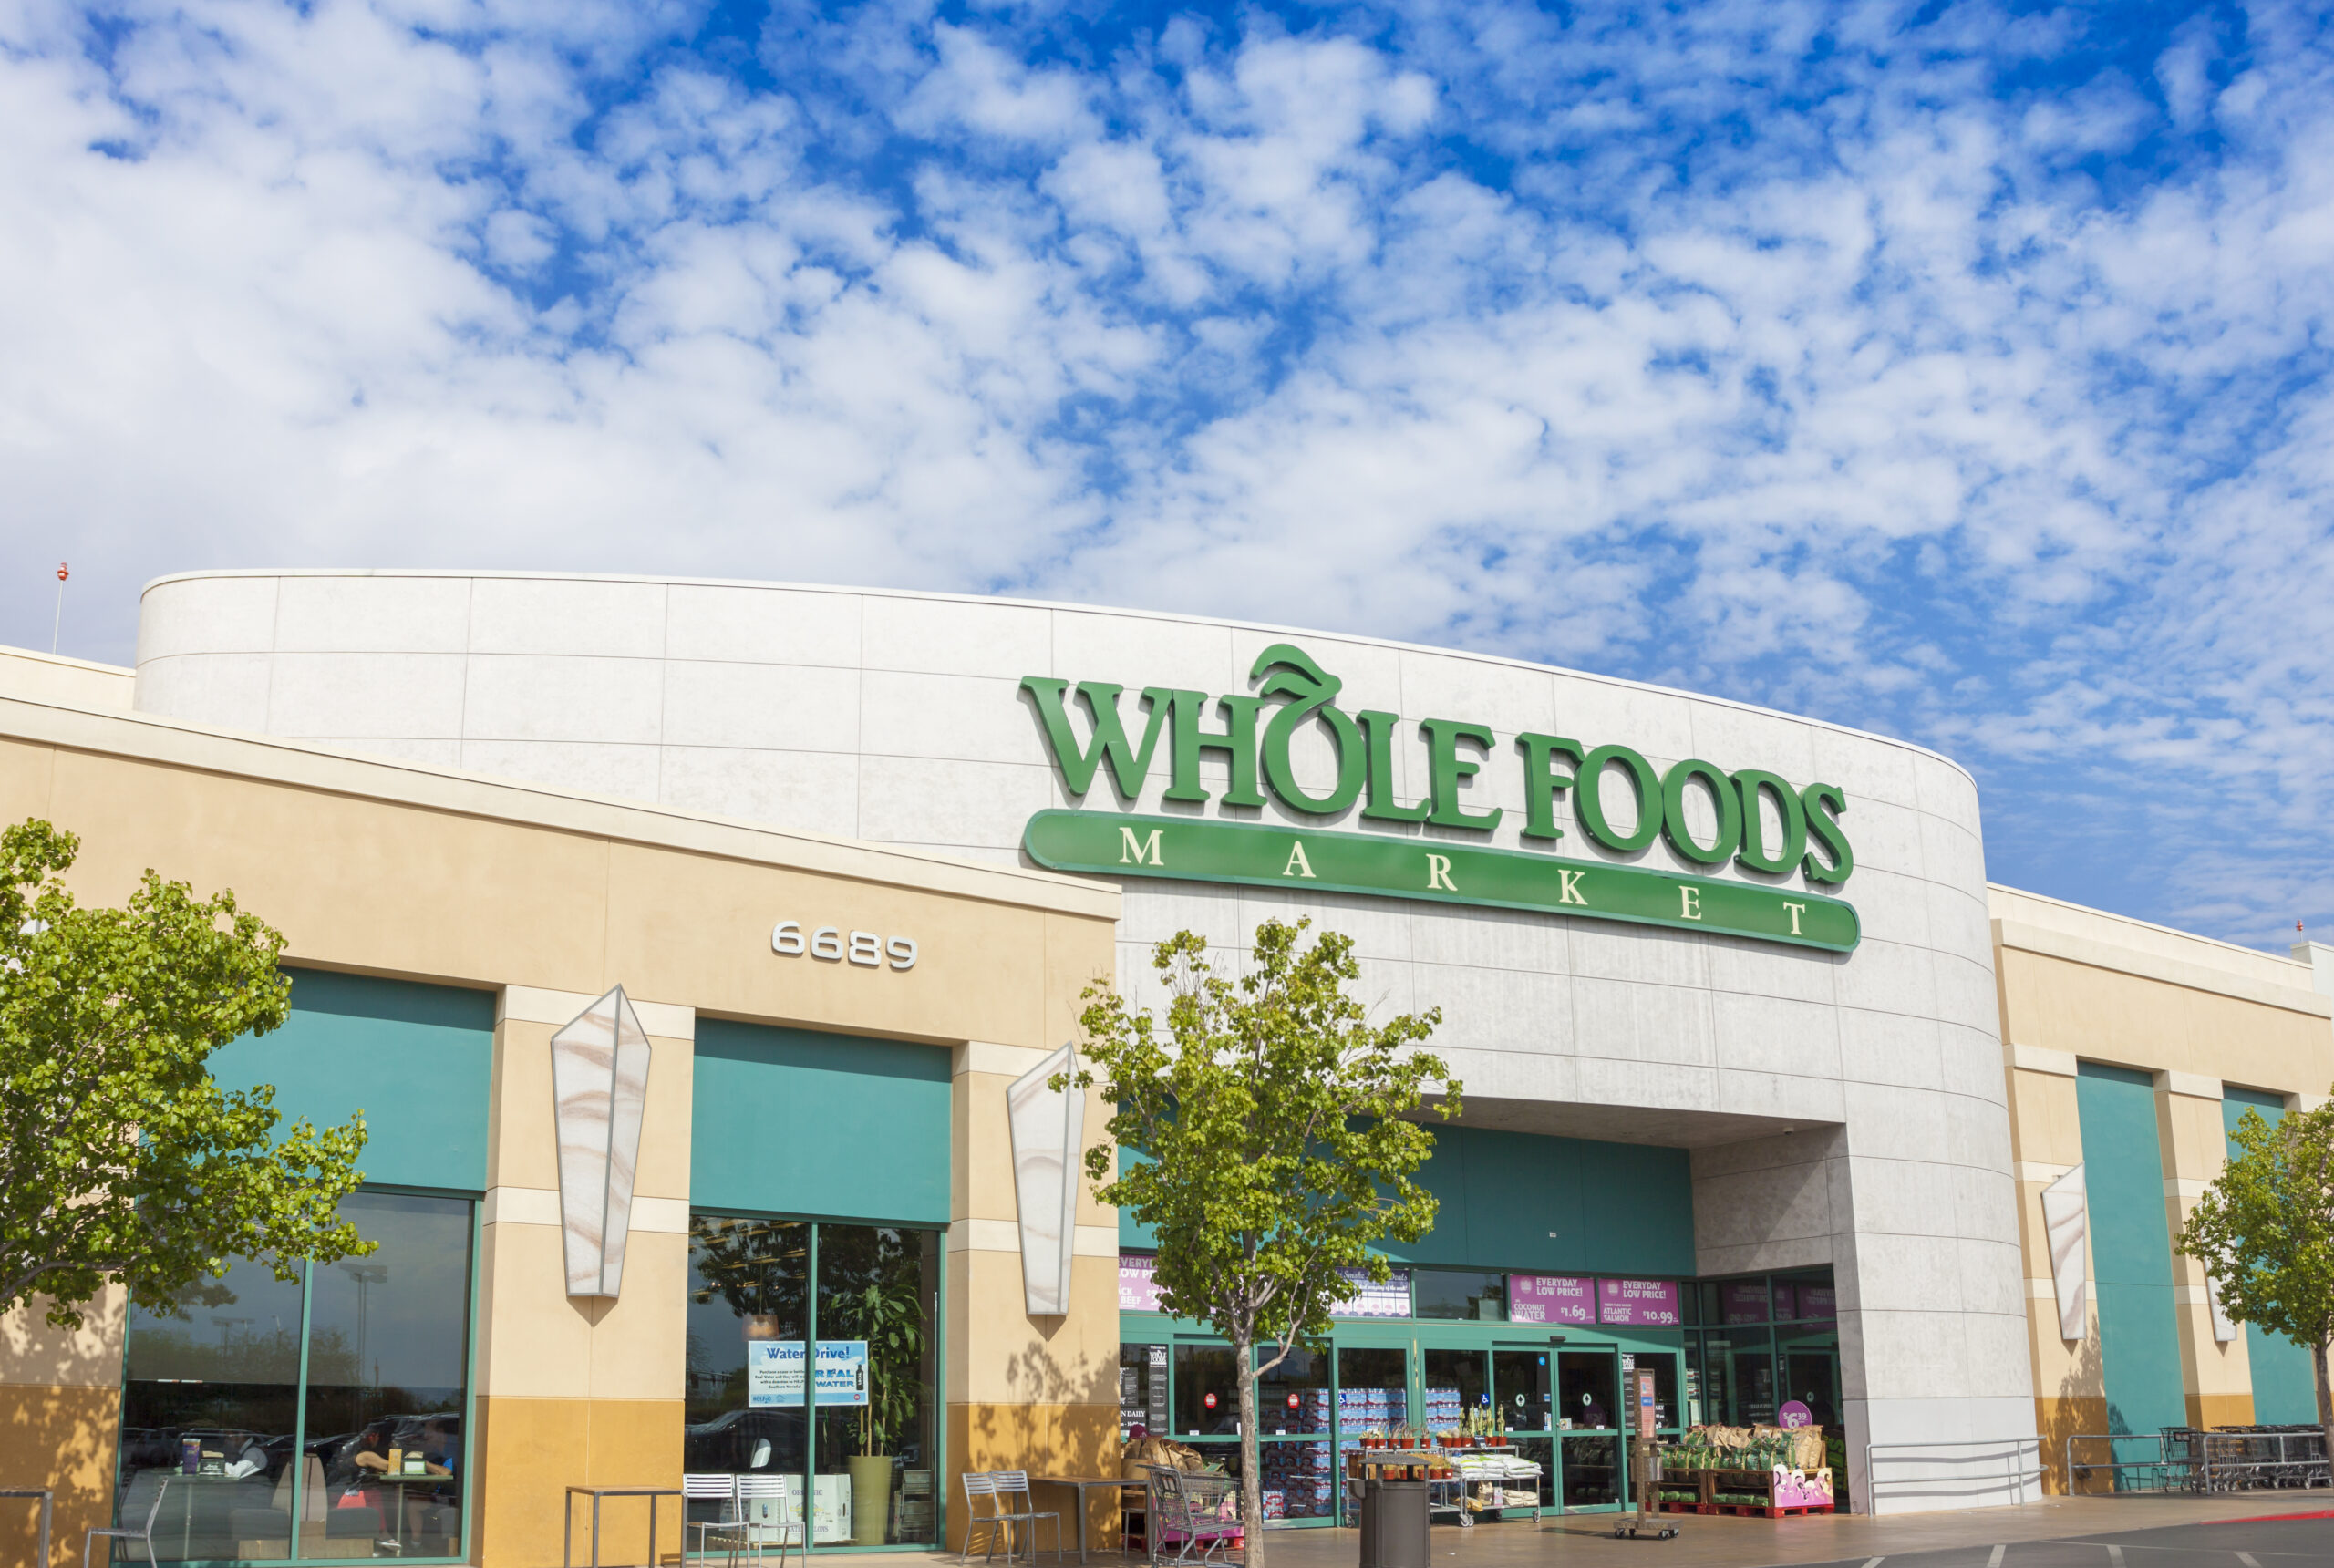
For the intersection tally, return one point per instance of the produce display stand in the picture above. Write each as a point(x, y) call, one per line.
point(1707, 1484)
point(1446, 1488)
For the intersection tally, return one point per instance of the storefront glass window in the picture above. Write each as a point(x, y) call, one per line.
point(1207, 1400)
point(879, 1285)
point(1738, 1377)
point(258, 1469)
point(867, 1461)
point(210, 1399)
point(388, 1342)
point(1294, 1397)
point(1465, 1293)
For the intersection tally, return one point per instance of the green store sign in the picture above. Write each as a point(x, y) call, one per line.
point(1254, 739)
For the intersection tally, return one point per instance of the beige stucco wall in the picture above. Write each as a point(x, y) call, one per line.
point(549, 897)
point(2080, 985)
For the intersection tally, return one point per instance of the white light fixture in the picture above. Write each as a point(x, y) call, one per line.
point(1049, 1128)
point(599, 1080)
point(2068, 1224)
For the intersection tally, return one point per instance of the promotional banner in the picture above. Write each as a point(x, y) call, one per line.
point(1137, 1290)
point(774, 1372)
point(1638, 1302)
point(1391, 1299)
point(1551, 1298)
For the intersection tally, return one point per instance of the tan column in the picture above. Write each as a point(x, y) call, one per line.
point(2215, 1375)
point(575, 1390)
point(60, 1423)
point(2046, 1142)
point(1034, 1393)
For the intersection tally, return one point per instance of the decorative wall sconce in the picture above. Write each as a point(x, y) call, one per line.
point(599, 1079)
point(1048, 1129)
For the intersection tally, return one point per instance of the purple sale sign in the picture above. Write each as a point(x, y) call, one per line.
point(1550, 1298)
point(1638, 1302)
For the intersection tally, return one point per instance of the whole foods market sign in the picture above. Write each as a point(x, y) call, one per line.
point(1254, 735)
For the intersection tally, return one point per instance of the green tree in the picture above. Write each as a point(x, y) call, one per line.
point(1266, 1143)
point(2264, 1229)
point(120, 1161)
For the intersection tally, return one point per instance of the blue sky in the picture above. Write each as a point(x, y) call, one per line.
point(1959, 371)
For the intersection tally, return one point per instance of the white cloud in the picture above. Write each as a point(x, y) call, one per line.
point(1852, 379)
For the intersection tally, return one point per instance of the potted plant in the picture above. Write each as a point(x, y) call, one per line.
point(888, 1314)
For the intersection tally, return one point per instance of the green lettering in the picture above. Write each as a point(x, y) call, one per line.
point(1128, 767)
point(1447, 771)
point(1236, 739)
point(1751, 781)
point(1823, 827)
point(1542, 783)
point(1590, 799)
point(1295, 674)
point(1381, 806)
point(1673, 811)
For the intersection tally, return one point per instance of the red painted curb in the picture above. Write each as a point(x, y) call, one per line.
point(2258, 1518)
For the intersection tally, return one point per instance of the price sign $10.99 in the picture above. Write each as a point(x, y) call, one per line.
point(834, 945)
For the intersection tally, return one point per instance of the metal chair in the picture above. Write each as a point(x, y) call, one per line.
point(1001, 1488)
point(1014, 1486)
point(1192, 1510)
point(774, 1491)
point(144, 1535)
point(704, 1488)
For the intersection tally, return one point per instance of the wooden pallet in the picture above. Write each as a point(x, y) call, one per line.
point(1746, 1509)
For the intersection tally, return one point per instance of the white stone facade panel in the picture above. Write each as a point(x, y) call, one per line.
point(1841, 1109)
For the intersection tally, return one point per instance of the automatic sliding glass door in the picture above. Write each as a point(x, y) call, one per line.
point(1523, 1394)
point(1588, 1410)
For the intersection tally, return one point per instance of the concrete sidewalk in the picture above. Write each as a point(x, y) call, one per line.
point(1586, 1540)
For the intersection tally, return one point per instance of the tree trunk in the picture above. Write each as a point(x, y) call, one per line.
point(2325, 1400)
point(1252, 1483)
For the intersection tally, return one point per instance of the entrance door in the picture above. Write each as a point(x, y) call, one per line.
point(1524, 1394)
point(1588, 1412)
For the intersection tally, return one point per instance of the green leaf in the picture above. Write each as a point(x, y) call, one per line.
point(122, 1161)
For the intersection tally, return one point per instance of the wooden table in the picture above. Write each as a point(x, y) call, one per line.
point(567, 1509)
point(1081, 1485)
point(48, 1502)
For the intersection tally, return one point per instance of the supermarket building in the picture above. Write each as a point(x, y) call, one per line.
point(1762, 1100)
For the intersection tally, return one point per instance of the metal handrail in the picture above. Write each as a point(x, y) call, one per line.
point(2016, 1445)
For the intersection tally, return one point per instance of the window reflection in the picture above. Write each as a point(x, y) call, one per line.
point(863, 1459)
point(213, 1406)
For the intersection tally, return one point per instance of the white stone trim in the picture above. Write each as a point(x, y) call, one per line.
point(532, 1005)
point(1008, 1061)
point(523, 1206)
point(2312, 1101)
point(983, 1236)
point(2038, 1171)
point(2194, 1085)
point(2035, 1060)
point(668, 1215)
point(1005, 1236)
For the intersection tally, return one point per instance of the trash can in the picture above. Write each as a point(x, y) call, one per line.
point(1393, 1523)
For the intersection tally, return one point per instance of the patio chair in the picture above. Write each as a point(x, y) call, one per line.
point(705, 1487)
point(1013, 1502)
point(989, 1499)
point(1192, 1512)
point(763, 1507)
point(143, 1534)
